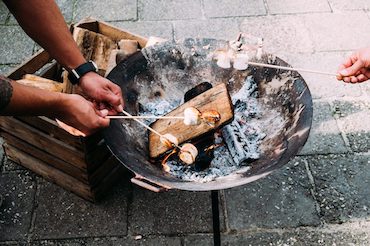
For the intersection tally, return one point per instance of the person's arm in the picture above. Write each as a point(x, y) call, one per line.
point(74, 110)
point(44, 23)
point(356, 68)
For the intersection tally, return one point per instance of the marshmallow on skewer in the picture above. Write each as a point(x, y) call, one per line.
point(211, 117)
point(191, 116)
point(169, 140)
point(241, 62)
point(223, 60)
point(188, 153)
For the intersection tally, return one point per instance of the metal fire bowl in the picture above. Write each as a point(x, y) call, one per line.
point(168, 70)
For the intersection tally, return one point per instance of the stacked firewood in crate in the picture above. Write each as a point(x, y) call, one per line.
point(82, 165)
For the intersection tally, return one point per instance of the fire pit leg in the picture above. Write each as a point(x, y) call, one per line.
point(216, 218)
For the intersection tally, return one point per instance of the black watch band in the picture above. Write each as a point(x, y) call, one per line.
point(75, 74)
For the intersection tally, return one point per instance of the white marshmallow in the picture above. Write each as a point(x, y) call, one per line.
point(223, 60)
point(191, 116)
point(241, 62)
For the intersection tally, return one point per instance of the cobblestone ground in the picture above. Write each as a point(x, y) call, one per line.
point(320, 198)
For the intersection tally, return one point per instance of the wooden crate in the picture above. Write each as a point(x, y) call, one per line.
point(82, 165)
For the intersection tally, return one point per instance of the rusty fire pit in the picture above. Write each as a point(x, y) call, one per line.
point(168, 70)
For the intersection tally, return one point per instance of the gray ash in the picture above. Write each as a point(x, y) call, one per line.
point(239, 141)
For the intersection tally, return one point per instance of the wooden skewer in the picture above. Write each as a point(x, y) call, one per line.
point(147, 127)
point(290, 68)
point(143, 117)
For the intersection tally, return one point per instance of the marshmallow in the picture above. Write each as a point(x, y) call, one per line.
point(223, 60)
point(191, 116)
point(211, 117)
point(188, 153)
point(241, 62)
point(168, 140)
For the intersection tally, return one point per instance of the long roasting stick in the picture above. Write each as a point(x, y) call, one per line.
point(147, 127)
point(143, 117)
point(289, 68)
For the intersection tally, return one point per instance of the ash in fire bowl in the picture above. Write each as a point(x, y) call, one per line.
point(256, 125)
point(236, 145)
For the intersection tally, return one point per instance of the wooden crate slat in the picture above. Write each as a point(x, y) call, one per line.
point(118, 34)
point(50, 127)
point(46, 157)
point(105, 169)
point(95, 158)
point(36, 62)
point(41, 140)
point(50, 173)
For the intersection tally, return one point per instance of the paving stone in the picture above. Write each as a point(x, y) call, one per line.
point(17, 190)
point(300, 237)
point(4, 12)
point(15, 45)
point(324, 136)
point(342, 186)
point(294, 237)
point(66, 7)
point(293, 7)
point(10, 166)
point(345, 5)
point(1, 153)
point(225, 8)
point(226, 29)
point(116, 10)
point(160, 29)
point(352, 117)
point(324, 86)
point(14, 243)
point(61, 214)
point(170, 213)
point(169, 9)
point(113, 241)
point(4, 69)
point(281, 200)
point(200, 240)
point(281, 34)
point(333, 32)
point(365, 87)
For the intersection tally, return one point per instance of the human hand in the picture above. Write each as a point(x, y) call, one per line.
point(79, 117)
point(102, 92)
point(355, 68)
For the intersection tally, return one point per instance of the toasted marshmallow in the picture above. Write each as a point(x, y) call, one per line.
point(168, 140)
point(188, 153)
point(211, 117)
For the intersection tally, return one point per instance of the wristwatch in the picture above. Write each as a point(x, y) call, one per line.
point(75, 74)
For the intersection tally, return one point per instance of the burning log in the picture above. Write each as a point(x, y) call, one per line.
point(217, 99)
